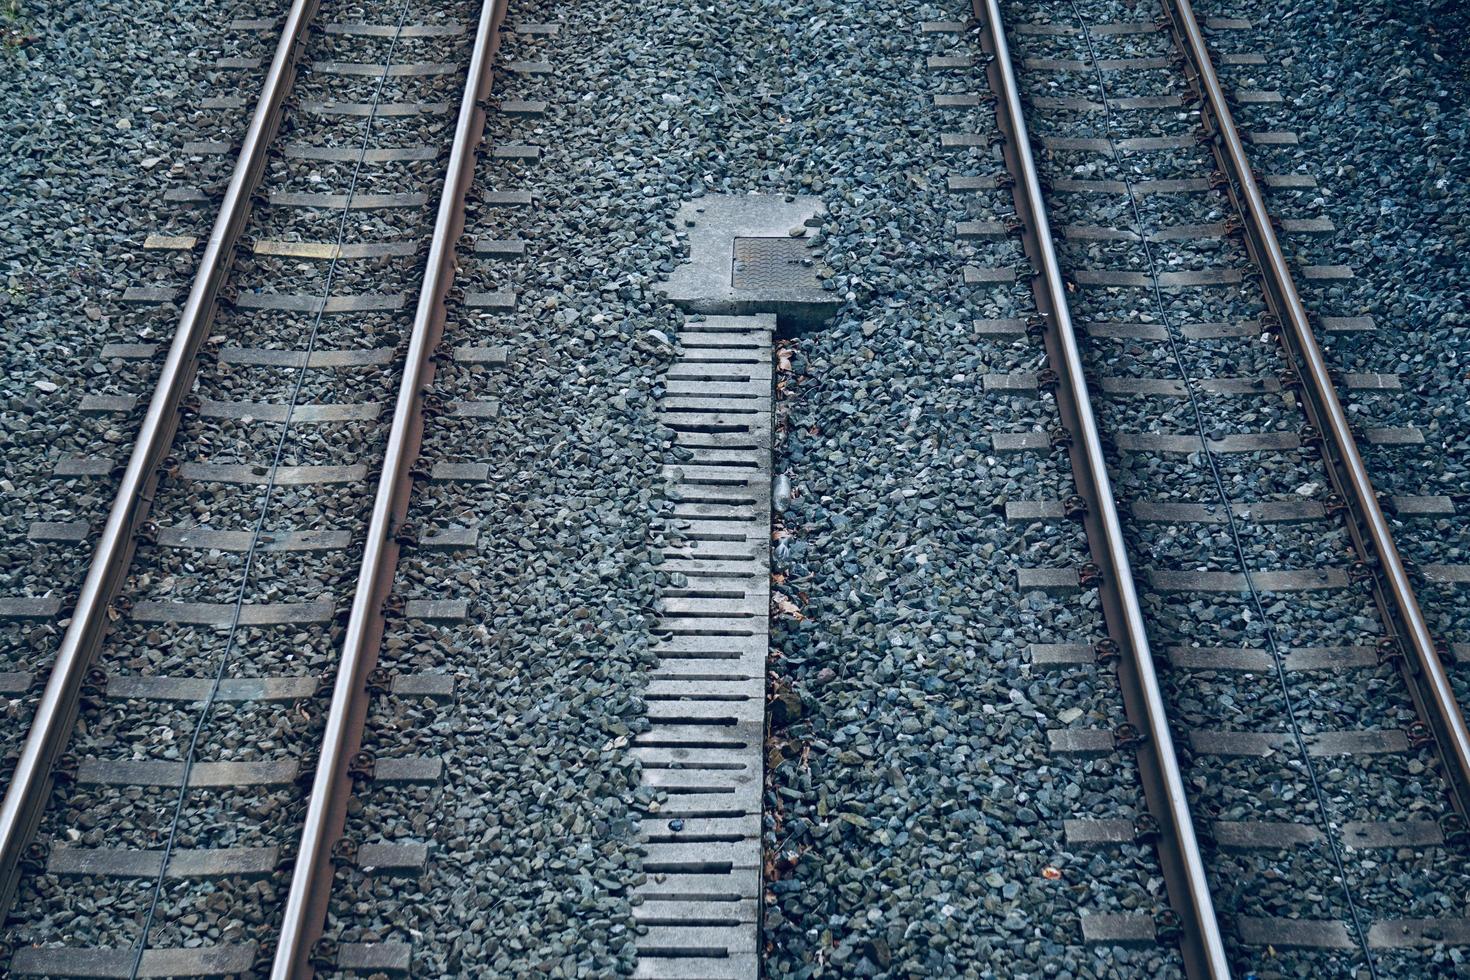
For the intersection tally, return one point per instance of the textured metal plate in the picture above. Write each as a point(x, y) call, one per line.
point(773, 263)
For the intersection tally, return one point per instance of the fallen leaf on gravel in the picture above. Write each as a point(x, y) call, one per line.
point(786, 606)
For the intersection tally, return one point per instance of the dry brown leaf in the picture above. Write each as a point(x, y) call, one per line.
point(786, 607)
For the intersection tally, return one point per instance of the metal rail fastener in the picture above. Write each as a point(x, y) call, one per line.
point(306, 904)
point(1163, 782)
point(30, 784)
point(1428, 683)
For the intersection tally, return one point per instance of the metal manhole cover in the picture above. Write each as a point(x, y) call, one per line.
point(773, 263)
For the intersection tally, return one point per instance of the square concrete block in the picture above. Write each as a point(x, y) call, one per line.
point(751, 254)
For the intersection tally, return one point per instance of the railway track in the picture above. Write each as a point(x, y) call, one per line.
point(245, 570)
point(1222, 715)
point(289, 723)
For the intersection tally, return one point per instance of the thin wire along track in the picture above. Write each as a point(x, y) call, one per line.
point(1163, 781)
point(1427, 681)
point(30, 785)
point(306, 905)
point(300, 948)
point(1409, 641)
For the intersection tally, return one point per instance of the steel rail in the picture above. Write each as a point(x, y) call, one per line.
point(1428, 683)
point(30, 784)
point(306, 904)
point(1184, 868)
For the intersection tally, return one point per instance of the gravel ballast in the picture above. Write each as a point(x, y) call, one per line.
point(1378, 91)
point(914, 811)
point(531, 834)
point(915, 808)
point(1333, 882)
point(234, 421)
point(914, 802)
point(98, 104)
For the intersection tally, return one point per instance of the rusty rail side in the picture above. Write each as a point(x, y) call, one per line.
point(30, 784)
point(1163, 782)
point(311, 880)
point(1394, 593)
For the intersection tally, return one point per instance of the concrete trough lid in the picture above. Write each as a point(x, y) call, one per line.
point(752, 253)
